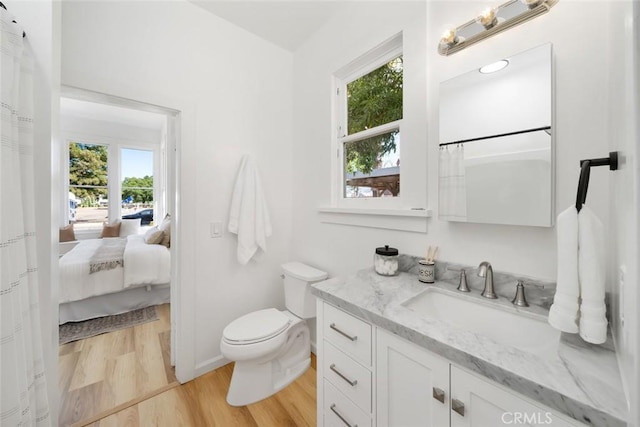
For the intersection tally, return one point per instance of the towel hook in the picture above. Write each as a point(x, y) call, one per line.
point(585, 169)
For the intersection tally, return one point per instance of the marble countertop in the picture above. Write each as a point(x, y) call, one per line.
point(580, 380)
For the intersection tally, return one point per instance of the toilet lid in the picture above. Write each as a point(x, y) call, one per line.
point(256, 326)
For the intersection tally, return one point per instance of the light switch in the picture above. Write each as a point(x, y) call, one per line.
point(216, 229)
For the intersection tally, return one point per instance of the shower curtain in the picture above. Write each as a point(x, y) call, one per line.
point(452, 194)
point(23, 387)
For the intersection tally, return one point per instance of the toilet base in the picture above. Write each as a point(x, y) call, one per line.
point(253, 382)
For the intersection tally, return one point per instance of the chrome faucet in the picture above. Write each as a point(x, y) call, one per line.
point(485, 270)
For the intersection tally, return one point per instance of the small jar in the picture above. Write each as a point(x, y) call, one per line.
point(385, 261)
point(426, 271)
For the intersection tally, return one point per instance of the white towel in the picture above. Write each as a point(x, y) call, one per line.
point(563, 314)
point(249, 216)
point(581, 285)
point(593, 321)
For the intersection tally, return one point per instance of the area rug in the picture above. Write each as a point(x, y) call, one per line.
point(73, 331)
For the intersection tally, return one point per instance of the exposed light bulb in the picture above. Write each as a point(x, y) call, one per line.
point(496, 66)
point(449, 37)
point(487, 18)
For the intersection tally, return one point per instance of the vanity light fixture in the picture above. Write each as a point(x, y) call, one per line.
point(495, 66)
point(492, 21)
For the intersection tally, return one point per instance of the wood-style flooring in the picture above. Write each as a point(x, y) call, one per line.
point(108, 371)
point(125, 379)
point(201, 403)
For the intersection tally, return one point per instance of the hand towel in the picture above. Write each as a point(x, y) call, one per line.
point(563, 314)
point(249, 216)
point(593, 321)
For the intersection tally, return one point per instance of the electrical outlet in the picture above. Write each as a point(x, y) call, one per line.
point(216, 229)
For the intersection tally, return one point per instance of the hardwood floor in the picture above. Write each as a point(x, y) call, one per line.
point(114, 370)
point(201, 403)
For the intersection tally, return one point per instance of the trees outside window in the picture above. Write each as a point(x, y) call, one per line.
point(90, 188)
point(370, 110)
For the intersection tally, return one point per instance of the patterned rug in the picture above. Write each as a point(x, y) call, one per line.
point(73, 331)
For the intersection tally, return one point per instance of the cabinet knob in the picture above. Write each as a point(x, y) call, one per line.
point(457, 406)
point(438, 394)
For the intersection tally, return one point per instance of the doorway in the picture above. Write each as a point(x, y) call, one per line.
point(117, 263)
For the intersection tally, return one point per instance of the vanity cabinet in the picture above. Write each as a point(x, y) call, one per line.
point(413, 384)
point(345, 369)
point(369, 377)
point(487, 404)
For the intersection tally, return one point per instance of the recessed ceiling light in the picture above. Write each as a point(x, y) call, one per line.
point(496, 66)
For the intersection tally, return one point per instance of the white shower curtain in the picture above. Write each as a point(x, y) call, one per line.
point(23, 387)
point(452, 183)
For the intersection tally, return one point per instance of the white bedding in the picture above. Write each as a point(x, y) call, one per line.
point(143, 265)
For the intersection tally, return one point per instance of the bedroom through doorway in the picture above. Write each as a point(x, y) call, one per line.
point(118, 200)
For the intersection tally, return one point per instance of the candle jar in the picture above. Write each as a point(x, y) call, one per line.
point(385, 261)
point(426, 271)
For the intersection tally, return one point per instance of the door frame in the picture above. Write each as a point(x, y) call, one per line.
point(180, 129)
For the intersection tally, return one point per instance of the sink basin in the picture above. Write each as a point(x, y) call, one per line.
point(530, 333)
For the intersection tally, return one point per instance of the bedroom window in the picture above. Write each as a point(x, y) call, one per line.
point(369, 117)
point(88, 184)
point(136, 178)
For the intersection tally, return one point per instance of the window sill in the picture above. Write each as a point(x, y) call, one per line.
point(390, 219)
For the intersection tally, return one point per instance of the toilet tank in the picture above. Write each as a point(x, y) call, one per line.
point(298, 278)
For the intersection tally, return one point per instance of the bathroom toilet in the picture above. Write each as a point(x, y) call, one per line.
point(271, 348)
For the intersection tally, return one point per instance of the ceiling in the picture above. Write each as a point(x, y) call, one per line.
point(287, 24)
point(111, 114)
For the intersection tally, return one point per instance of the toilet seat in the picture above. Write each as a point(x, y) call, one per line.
point(256, 327)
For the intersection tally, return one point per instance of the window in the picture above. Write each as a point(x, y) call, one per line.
point(88, 184)
point(136, 177)
point(369, 119)
point(107, 180)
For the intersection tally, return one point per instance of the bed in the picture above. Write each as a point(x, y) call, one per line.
point(101, 277)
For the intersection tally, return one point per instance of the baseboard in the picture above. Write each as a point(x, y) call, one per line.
point(210, 365)
point(314, 348)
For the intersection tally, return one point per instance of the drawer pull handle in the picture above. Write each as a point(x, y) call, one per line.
point(457, 406)
point(335, 328)
point(438, 394)
point(341, 375)
point(335, 411)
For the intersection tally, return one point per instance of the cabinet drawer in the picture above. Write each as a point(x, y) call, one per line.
point(348, 376)
point(349, 333)
point(336, 405)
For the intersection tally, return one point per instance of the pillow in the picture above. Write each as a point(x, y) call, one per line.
point(129, 227)
point(110, 230)
point(153, 236)
point(166, 228)
point(67, 234)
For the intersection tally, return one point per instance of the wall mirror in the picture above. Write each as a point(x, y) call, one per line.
point(496, 142)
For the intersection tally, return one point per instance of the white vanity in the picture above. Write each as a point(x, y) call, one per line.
point(381, 363)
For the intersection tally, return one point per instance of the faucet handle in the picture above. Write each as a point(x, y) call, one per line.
point(462, 286)
point(519, 299)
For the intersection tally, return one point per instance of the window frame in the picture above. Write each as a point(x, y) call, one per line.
point(370, 61)
point(114, 167)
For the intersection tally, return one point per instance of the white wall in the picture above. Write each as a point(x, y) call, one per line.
point(235, 93)
point(624, 134)
point(580, 129)
point(359, 27)
point(41, 22)
point(125, 133)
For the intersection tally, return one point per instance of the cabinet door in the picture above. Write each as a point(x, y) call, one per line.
point(412, 384)
point(487, 404)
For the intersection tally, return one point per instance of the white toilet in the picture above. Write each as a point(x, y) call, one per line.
point(271, 348)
